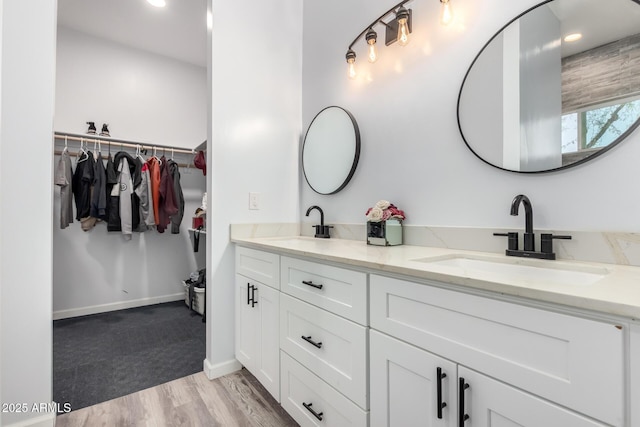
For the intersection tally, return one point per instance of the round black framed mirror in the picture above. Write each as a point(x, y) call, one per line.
point(331, 150)
point(556, 87)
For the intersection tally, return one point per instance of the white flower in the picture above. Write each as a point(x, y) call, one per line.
point(382, 204)
point(375, 214)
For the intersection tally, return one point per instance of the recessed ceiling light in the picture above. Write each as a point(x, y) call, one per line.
point(573, 37)
point(157, 3)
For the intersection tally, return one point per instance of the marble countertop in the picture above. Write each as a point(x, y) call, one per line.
point(606, 288)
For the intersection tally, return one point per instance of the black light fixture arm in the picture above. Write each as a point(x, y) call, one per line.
point(379, 20)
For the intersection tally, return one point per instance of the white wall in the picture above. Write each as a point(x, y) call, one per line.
point(256, 129)
point(150, 98)
point(26, 107)
point(142, 96)
point(412, 153)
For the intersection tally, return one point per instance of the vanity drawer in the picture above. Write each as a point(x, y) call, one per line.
point(258, 265)
point(575, 362)
point(302, 392)
point(341, 291)
point(331, 347)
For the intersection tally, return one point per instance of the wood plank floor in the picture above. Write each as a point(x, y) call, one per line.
point(237, 399)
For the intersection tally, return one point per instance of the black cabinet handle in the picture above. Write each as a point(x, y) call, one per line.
point(310, 283)
point(462, 417)
point(441, 404)
point(253, 296)
point(310, 409)
point(310, 341)
point(249, 286)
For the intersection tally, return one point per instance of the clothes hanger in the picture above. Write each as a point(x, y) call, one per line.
point(155, 155)
point(139, 154)
point(66, 145)
point(82, 151)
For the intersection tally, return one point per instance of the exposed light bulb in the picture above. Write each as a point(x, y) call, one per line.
point(371, 38)
point(157, 3)
point(352, 70)
point(446, 14)
point(351, 60)
point(402, 16)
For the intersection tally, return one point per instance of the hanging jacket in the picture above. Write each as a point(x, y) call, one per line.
point(154, 174)
point(81, 185)
point(167, 205)
point(64, 176)
point(176, 219)
point(113, 207)
point(145, 196)
point(114, 221)
point(99, 195)
point(125, 188)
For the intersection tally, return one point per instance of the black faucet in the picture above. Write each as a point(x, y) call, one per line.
point(529, 243)
point(529, 237)
point(322, 231)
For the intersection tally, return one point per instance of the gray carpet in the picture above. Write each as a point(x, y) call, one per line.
point(103, 356)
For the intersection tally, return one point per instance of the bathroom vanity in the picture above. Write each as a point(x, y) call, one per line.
point(342, 333)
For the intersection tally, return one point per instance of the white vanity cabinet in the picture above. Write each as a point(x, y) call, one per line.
point(634, 357)
point(410, 386)
point(257, 316)
point(574, 362)
point(324, 343)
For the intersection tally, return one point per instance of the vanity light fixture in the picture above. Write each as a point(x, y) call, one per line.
point(397, 30)
point(446, 14)
point(372, 38)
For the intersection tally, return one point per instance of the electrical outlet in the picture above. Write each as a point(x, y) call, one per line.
point(254, 201)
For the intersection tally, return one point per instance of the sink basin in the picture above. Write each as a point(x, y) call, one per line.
point(508, 271)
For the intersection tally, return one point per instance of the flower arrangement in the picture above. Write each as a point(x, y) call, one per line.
point(383, 210)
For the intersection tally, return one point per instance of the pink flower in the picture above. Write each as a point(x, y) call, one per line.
point(386, 214)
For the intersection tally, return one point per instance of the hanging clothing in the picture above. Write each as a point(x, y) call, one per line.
point(154, 174)
point(125, 189)
point(113, 202)
point(64, 176)
point(99, 195)
point(115, 221)
point(81, 185)
point(167, 205)
point(146, 197)
point(176, 219)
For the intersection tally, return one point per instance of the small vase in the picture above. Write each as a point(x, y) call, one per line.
point(384, 233)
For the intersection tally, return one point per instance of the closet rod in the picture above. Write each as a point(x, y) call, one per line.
point(71, 153)
point(123, 142)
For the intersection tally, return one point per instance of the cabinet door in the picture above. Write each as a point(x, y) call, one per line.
point(488, 402)
point(246, 319)
point(404, 385)
point(635, 375)
point(267, 370)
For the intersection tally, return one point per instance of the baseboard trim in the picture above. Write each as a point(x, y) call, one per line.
point(103, 308)
point(46, 420)
point(221, 369)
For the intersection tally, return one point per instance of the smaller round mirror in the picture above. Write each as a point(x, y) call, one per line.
point(331, 150)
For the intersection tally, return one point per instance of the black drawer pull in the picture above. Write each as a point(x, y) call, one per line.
point(310, 341)
point(441, 404)
point(462, 417)
point(310, 409)
point(253, 296)
point(249, 286)
point(313, 285)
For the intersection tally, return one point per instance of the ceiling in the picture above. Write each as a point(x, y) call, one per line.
point(599, 21)
point(178, 30)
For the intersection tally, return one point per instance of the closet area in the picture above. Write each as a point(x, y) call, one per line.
point(129, 197)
